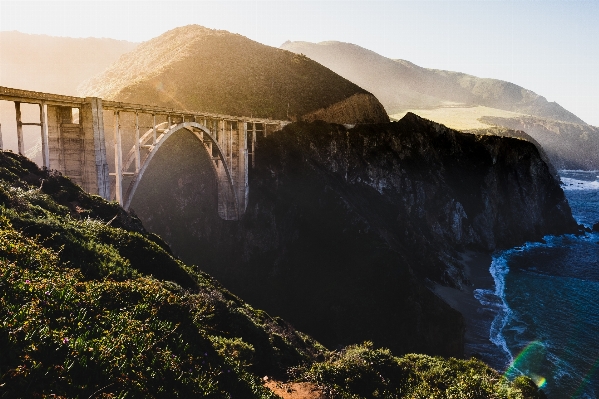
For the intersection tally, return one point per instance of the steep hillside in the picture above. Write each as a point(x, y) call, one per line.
point(346, 229)
point(461, 101)
point(91, 305)
point(402, 85)
point(196, 68)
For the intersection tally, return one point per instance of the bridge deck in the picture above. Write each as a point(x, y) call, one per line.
point(36, 97)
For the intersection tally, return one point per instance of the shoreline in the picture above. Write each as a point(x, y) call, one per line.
point(477, 317)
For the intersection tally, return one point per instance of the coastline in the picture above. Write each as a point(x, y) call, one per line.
point(477, 317)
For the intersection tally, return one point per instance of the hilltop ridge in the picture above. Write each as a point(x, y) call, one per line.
point(197, 68)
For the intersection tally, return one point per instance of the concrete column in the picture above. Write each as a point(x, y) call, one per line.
point(253, 144)
point(137, 154)
point(96, 178)
point(154, 129)
point(231, 144)
point(118, 159)
point(44, 132)
point(19, 128)
point(242, 169)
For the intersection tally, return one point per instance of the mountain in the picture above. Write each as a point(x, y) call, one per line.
point(457, 100)
point(55, 64)
point(402, 85)
point(201, 69)
point(348, 232)
point(94, 304)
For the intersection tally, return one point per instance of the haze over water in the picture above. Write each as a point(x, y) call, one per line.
point(547, 324)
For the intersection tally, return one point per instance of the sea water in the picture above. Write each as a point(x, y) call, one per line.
point(546, 301)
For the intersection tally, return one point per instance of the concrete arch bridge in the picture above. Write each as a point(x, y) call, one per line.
point(75, 133)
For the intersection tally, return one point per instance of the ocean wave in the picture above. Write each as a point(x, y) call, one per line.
point(565, 171)
point(569, 183)
point(499, 270)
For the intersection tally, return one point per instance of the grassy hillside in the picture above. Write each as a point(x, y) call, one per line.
point(91, 305)
point(401, 85)
point(196, 68)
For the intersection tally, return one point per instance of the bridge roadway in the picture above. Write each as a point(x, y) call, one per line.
point(73, 142)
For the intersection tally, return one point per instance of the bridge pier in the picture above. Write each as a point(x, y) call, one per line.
point(77, 150)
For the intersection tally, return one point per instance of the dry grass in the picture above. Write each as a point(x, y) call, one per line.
point(459, 118)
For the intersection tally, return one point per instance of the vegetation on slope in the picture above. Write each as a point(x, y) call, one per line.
point(361, 371)
point(84, 313)
point(201, 69)
point(83, 307)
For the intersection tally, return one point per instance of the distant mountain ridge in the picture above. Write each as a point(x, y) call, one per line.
point(55, 64)
point(197, 68)
point(401, 85)
point(460, 101)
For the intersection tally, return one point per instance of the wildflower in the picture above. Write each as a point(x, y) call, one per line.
point(27, 281)
point(65, 340)
point(47, 293)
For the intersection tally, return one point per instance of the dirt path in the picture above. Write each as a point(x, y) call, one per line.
point(294, 390)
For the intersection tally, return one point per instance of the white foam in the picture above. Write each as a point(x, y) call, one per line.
point(564, 171)
point(499, 270)
point(569, 183)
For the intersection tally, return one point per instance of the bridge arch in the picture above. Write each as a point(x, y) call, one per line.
point(228, 209)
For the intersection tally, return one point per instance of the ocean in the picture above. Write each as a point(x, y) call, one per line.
point(546, 302)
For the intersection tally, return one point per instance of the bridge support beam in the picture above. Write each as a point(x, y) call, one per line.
point(44, 133)
point(20, 143)
point(92, 121)
point(242, 166)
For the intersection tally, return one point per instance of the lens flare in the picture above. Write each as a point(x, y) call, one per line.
point(528, 362)
point(586, 381)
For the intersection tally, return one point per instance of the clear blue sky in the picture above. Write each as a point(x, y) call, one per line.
point(550, 47)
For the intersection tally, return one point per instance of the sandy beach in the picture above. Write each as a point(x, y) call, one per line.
point(477, 318)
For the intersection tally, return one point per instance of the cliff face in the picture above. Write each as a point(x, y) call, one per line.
point(345, 227)
point(568, 145)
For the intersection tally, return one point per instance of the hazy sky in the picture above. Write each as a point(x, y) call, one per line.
point(550, 47)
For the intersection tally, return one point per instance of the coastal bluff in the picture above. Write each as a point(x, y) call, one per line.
point(346, 229)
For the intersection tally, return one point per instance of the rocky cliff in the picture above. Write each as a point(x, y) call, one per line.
point(346, 227)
